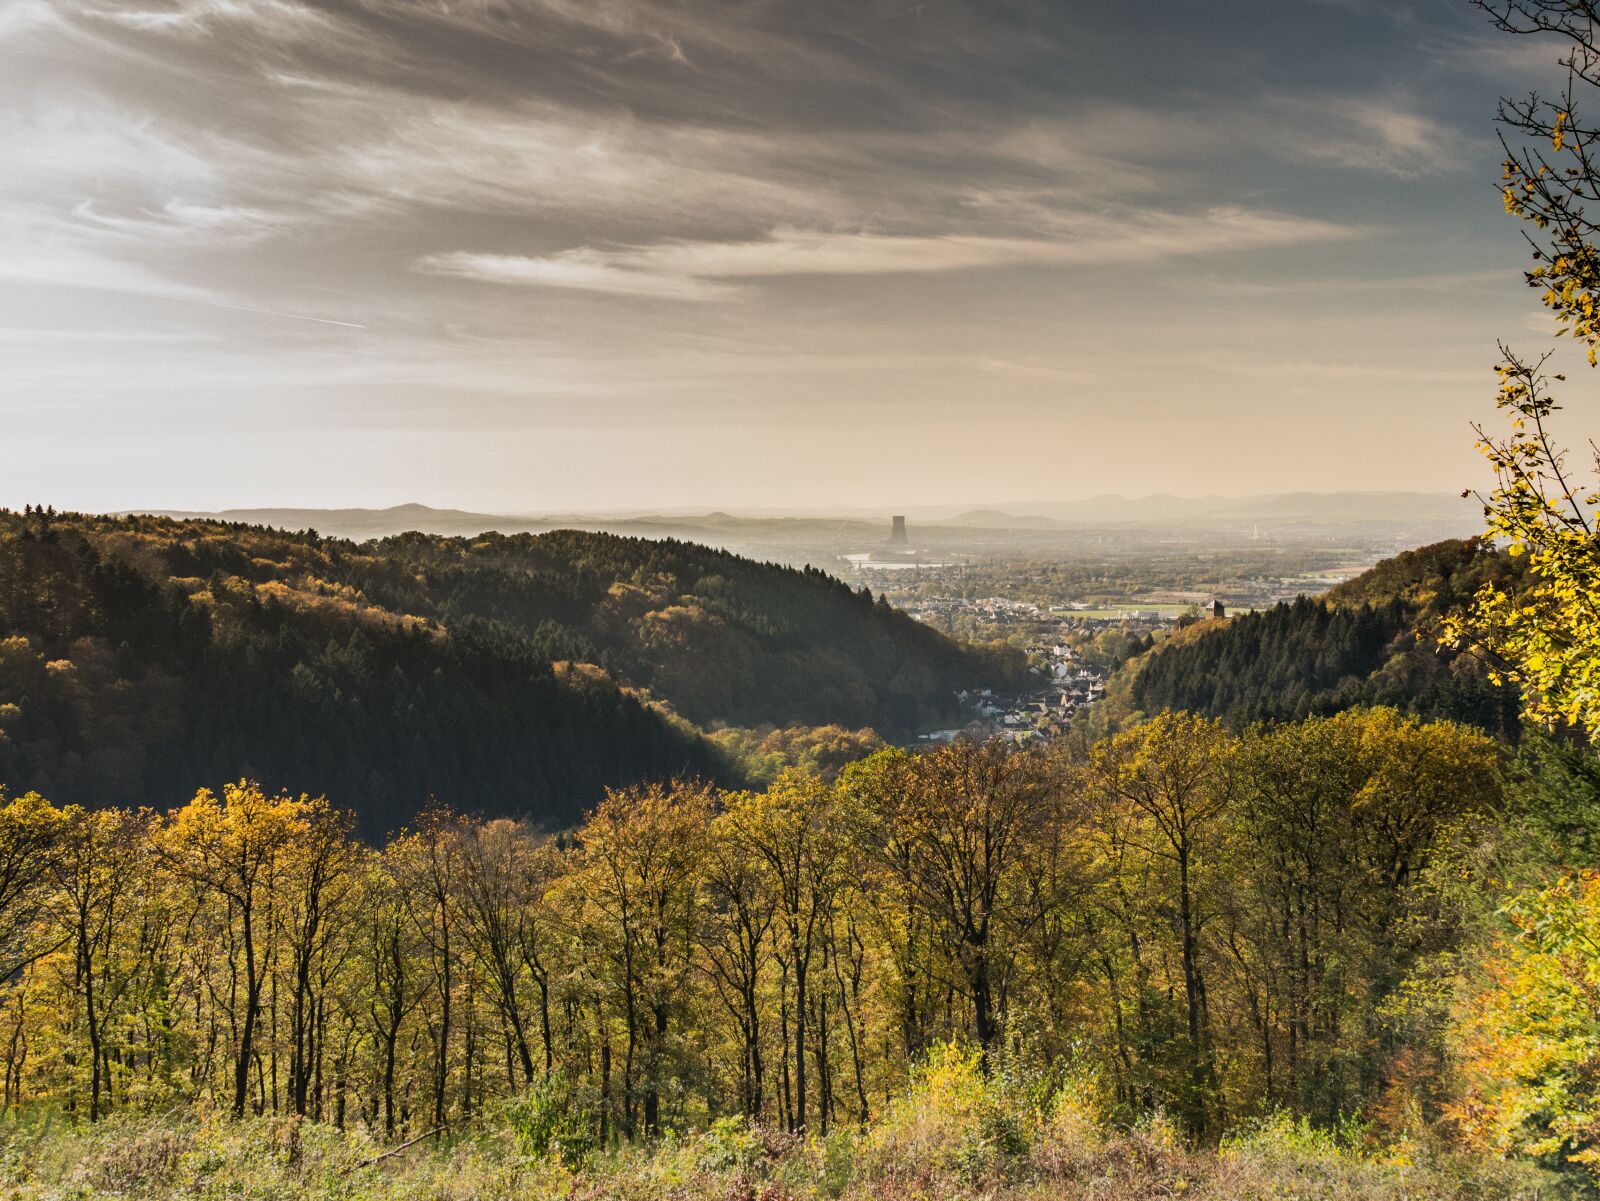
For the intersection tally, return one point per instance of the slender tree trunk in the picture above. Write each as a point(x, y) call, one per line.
point(784, 1044)
point(468, 1056)
point(300, 1018)
point(982, 1001)
point(252, 1005)
point(652, 1092)
point(752, 1015)
point(543, 980)
point(390, 1036)
point(607, 1104)
point(846, 996)
point(441, 1071)
point(1194, 996)
point(799, 1040)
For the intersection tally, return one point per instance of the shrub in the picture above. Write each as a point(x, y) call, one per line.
point(549, 1119)
point(951, 1124)
point(730, 1143)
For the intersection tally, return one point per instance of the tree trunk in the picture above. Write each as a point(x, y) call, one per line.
point(441, 1071)
point(389, 1038)
point(252, 1005)
point(799, 1042)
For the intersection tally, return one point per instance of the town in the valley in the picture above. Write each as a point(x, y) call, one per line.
point(1078, 619)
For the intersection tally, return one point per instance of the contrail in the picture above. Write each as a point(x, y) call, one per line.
point(245, 308)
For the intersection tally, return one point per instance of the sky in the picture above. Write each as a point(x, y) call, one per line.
point(559, 255)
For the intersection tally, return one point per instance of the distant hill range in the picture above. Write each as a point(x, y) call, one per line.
point(1372, 640)
point(1272, 511)
point(361, 524)
point(995, 519)
point(143, 657)
point(786, 539)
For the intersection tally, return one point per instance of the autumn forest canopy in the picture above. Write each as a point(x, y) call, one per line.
point(1175, 918)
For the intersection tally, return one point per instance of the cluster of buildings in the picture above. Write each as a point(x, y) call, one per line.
point(991, 610)
point(1043, 710)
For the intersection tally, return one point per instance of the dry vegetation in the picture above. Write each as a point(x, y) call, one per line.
point(954, 1134)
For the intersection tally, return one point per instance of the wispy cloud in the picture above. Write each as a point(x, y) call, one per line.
point(543, 158)
point(698, 270)
point(19, 16)
point(69, 266)
point(1506, 61)
point(268, 20)
point(1377, 136)
point(180, 219)
point(1142, 147)
point(584, 270)
point(53, 149)
point(1447, 283)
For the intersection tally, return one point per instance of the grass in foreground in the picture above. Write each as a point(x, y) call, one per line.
point(955, 1135)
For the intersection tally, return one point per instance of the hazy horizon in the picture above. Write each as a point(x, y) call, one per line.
point(536, 256)
point(1433, 511)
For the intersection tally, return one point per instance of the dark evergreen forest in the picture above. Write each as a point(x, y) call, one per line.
point(1373, 640)
point(141, 658)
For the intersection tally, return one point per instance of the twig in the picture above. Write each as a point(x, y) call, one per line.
point(367, 1163)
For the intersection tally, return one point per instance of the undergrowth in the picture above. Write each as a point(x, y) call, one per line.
point(957, 1133)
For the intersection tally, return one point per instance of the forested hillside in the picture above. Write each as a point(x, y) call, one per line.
point(141, 658)
point(1373, 640)
point(722, 638)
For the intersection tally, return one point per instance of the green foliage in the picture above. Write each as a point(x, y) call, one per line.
point(730, 1143)
point(1294, 1137)
point(548, 1119)
point(761, 755)
point(1528, 1038)
point(1557, 825)
point(1371, 641)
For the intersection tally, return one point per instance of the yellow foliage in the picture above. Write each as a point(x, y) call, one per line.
point(1528, 1040)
